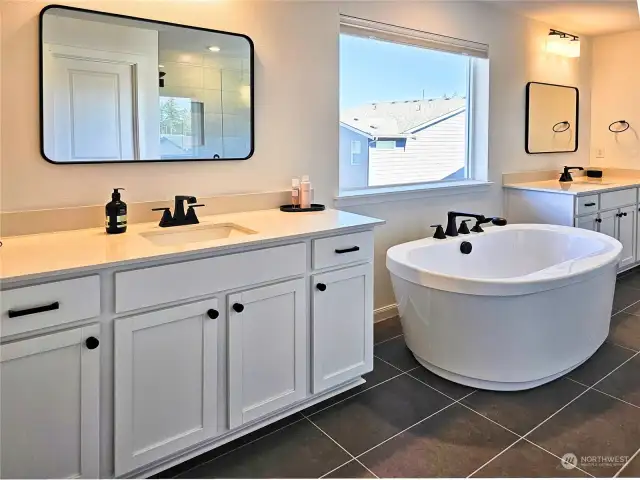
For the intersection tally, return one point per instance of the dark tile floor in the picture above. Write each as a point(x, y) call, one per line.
point(408, 422)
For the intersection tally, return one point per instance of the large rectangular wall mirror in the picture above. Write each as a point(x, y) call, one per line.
point(121, 89)
point(552, 118)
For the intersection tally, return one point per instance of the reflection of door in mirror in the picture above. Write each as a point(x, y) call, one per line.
point(117, 89)
point(99, 103)
point(552, 118)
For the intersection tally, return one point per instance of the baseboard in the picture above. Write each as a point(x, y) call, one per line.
point(385, 313)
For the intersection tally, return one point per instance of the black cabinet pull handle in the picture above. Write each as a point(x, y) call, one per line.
point(624, 214)
point(591, 204)
point(321, 286)
point(92, 343)
point(31, 311)
point(213, 314)
point(238, 307)
point(598, 220)
point(347, 250)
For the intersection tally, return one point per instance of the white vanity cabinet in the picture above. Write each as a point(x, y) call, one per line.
point(267, 350)
point(342, 329)
point(198, 347)
point(166, 382)
point(49, 397)
point(614, 213)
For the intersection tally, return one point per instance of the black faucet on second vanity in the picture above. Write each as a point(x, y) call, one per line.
point(566, 174)
point(179, 216)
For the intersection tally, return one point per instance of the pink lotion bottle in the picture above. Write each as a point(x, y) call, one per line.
point(305, 192)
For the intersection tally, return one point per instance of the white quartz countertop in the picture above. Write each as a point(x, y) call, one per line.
point(31, 256)
point(580, 185)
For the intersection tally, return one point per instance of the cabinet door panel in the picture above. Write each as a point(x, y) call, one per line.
point(267, 350)
point(587, 223)
point(608, 223)
point(626, 235)
point(49, 420)
point(342, 326)
point(165, 382)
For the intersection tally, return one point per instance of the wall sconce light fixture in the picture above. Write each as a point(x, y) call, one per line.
point(564, 44)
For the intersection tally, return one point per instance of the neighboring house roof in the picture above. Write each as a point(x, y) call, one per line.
point(398, 119)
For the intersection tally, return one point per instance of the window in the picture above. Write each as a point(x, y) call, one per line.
point(406, 96)
point(181, 127)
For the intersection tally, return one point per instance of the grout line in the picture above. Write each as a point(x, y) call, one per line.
point(392, 365)
point(238, 447)
point(622, 346)
point(337, 468)
point(388, 340)
point(627, 464)
point(334, 441)
point(411, 426)
point(554, 455)
point(434, 388)
point(617, 368)
point(604, 393)
point(356, 394)
point(625, 308)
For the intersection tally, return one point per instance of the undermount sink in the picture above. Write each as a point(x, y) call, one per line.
point(591, 182)
point(196, 233)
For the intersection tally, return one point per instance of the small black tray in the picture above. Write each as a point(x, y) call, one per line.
point(315, 207)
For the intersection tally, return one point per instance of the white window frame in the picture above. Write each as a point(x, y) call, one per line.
point(476, 52)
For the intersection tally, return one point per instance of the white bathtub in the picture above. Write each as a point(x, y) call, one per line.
point(527, 305)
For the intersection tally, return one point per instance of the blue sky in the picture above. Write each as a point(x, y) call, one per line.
point(375, 71)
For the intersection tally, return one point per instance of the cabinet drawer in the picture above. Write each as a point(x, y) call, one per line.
point(586, 205)
point(619, 198)
point(342, 249)
point(50, 304)
point(152, 286)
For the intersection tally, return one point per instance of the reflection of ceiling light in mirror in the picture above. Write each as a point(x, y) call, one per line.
point(566, 45)
point(213, 48)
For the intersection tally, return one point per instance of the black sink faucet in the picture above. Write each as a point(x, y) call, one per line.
point(566, 174)
point(179, 216)
point(452, 229)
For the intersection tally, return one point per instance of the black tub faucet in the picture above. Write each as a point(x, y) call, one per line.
point(566, 174)
point(452, 229)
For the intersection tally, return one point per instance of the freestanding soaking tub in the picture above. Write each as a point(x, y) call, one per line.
point(527, 305)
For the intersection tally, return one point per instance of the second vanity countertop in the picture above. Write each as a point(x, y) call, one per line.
point(32, 256)
point(580, 185)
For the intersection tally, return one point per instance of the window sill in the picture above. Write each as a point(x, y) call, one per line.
point(367, 196)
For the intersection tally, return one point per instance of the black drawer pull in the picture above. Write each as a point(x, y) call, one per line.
point(213, 314)
point(92, 343)
point(321, 286)
point(347, 250)
point(31, 311)
point(598, 220)
point(591, 204)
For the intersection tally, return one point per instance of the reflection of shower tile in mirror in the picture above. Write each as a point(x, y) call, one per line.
point(212, 100)
point(182, 75)
point(212, 78)
point(231, 79)
point(222, 62)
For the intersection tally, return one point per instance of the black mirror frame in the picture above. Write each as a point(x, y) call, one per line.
point(41, 86)
point(527, 123)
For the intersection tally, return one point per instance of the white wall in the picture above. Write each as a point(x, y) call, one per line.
point(616, 96)
point(296, 108)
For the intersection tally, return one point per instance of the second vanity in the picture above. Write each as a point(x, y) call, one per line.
point(609, 205)
point(123, 355)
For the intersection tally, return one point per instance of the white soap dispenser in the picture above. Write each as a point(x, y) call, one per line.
point(305, 192)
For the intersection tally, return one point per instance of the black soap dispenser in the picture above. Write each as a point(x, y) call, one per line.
point(116, 213)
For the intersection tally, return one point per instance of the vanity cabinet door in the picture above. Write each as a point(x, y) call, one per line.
point(588, 222)
point(607, 223)
point(626, 235)
point(165, 382)
point(342, 322)
point(267, 350)
point(50, 415)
